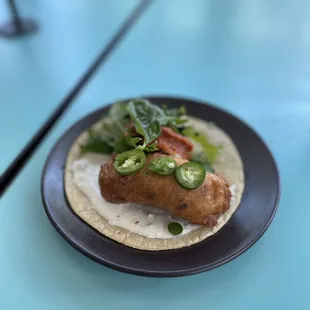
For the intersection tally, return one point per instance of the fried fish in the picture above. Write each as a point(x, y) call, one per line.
point(202, 205)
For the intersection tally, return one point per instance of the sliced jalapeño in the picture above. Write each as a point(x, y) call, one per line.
point(190, 175)
point(163, 165)
point(129, 162)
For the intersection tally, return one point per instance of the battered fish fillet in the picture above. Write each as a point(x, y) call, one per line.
point(202, 205)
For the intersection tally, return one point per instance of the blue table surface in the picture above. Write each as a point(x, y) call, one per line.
point(251, 57)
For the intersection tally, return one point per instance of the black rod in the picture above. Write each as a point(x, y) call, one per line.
point(21, 159)
point(15, 16)
point(17, 26)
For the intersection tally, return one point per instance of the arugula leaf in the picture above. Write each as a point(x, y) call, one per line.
point(175, 118)
point(121, 146)
point(147, 119)
point(95, 144)
point(174, 112)
point(210, 151)
point(136, 124)
point(181, 111)
point(151, 147)
point(111, 129)
point(181, 121)
point(133, 141)
point(119, 115)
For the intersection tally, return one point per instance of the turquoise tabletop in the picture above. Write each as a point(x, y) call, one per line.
point(251, 57)
point(38, 71)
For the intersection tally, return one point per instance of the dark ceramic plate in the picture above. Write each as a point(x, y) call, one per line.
point(254, 215)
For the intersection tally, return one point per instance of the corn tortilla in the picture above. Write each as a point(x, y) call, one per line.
point(228, 164)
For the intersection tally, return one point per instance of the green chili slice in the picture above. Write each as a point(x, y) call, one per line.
point(163, 165)
point(175, 228)
point(129, 162)
point(190, 175)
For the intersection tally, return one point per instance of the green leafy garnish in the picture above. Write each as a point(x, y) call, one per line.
point(175, 228)
point(181, 111)
point(151, 147)
point(111, 129)
point(208, 168)
point(133, 125)
point(137, 125)
point(95, 144)
point(147, 119)
point(209, 151)
point(121, 145)
point(175, 118)
point(119, 115)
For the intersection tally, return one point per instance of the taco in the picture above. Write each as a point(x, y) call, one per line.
point(154, 178)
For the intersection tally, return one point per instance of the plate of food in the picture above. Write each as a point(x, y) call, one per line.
point(160, 186)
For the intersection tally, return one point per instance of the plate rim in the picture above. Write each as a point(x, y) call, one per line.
point(150, 273)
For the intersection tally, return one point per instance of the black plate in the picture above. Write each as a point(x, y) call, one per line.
point(254, 215)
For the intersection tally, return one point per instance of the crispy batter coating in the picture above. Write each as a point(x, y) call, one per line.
point(202, 205)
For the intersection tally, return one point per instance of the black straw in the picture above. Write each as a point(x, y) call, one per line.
point(21, 159)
